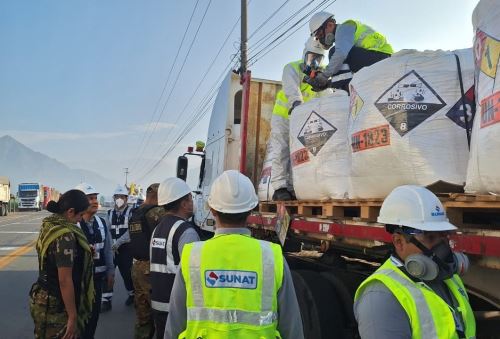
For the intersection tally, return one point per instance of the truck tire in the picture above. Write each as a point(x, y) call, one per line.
point(308, 310)
point(2, 209)
point(6, 208)
point(320, 307)
point(346, 300)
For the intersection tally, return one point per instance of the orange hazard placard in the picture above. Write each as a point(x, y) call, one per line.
point(299, 157)
point(371, 138)
point(490, 110)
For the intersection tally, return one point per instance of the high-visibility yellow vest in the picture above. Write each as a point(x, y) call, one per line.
point(232, 283)
point(365, 37)
point(281, 106)
point(430, 316)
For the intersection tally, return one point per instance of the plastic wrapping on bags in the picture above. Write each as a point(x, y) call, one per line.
point(483, 174)
point(319, 148)
point(407, 122)
point(265, 190)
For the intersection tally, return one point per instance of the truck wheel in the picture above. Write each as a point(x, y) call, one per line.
point(2, 208)
point(323, 306)
point(308, 310)
point(346, 301)
point(6, 208)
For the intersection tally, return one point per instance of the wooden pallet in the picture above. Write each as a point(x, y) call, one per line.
point(457, 206)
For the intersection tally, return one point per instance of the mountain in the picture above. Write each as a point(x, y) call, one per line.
point(22, 164)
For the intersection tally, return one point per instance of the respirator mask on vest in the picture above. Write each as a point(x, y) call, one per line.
point(437, 263)
point(119, 202)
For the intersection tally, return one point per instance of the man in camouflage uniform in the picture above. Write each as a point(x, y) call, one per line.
point(141, 225)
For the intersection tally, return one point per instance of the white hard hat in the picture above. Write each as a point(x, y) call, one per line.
point(314, 46)
point(121, 190)
point(86, 188)
point(415, 207)
point(232, 192)
point(318, 19)
point(171, 190)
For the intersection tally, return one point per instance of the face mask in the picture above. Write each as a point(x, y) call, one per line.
point(119, 202)
point(328, 40)
point(438, 263)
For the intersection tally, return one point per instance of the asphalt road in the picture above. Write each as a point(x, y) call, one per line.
point(18, 271)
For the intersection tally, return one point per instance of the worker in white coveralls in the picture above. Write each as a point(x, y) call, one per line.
point(294, 92)
point(417, 292)
point(356, 46)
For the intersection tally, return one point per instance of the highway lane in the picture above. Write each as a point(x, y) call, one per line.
point(18, 271)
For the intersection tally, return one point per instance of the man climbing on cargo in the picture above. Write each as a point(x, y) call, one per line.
point(294, 92)
point(417, 292)
point(356, 46)
point(233, 286)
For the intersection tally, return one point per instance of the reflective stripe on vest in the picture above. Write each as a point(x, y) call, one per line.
point(100, 246)
point(170, 267)
point(118, 230)
point(367, 38)
point(218, 309)
point(429, 315)
point(159, 306)
point(281, 105)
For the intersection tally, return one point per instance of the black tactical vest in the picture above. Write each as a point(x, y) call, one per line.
point(165, 258)
point(140, 232)
point(96, 238)
point(118, 224)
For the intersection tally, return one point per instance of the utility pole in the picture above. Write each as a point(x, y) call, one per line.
point(244, 46)
point(126, 175)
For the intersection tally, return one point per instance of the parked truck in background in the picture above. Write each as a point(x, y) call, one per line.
point(332, 246)
point(30, 196)
point(49, 193)
point(4, 196)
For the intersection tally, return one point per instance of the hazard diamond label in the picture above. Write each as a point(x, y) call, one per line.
point(315, 133)
point(408, 102)
point(457, 114)
point(356, 103)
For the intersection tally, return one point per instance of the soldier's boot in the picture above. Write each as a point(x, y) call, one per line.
point(106, 306)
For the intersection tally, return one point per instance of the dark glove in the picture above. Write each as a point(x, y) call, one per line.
point(319, 82)
point(295, 104)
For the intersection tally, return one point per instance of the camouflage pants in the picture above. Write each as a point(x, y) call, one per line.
point(144, 324)
point(48, 314)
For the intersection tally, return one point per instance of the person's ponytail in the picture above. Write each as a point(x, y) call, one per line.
point(53, 207)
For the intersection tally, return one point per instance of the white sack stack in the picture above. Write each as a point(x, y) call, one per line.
point(265, 190)
point(406, 122)
point(483, 172)
point(319, 148)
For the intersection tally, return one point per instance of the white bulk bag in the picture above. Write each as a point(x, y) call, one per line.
point(483, 172)
point(265, 189)
point(406, 122)
point(319, 149)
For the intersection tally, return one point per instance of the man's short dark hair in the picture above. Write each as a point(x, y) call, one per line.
point(233, 218)
point(153, 188)
point(175, 205)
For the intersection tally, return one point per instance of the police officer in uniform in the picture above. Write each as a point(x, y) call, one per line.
point(167, 242)
point(417, 292)
point(99, 239)
point(141, 226)
point(118, 219)
point(233, 286)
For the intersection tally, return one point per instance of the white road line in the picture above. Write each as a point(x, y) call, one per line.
point(22, 222)
point(8, 248)
point(19, 232)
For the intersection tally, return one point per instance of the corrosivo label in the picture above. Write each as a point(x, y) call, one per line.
point(315, 133)
point(230, 279)
point(408, 102)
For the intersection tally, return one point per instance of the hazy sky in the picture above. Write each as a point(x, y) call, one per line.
point(80, 80)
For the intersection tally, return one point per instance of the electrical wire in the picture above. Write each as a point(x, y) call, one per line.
point(141, 148)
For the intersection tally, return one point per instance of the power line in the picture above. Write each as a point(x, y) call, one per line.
point(141, 149)
point(268, 19)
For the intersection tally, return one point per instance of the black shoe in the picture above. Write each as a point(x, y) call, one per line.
point(106, 306)
point(130, 300)
point(282, 194)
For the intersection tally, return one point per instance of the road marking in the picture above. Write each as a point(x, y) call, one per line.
point(22, 222)
point(10, 257)
point(8, 248)
point(19, 232)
